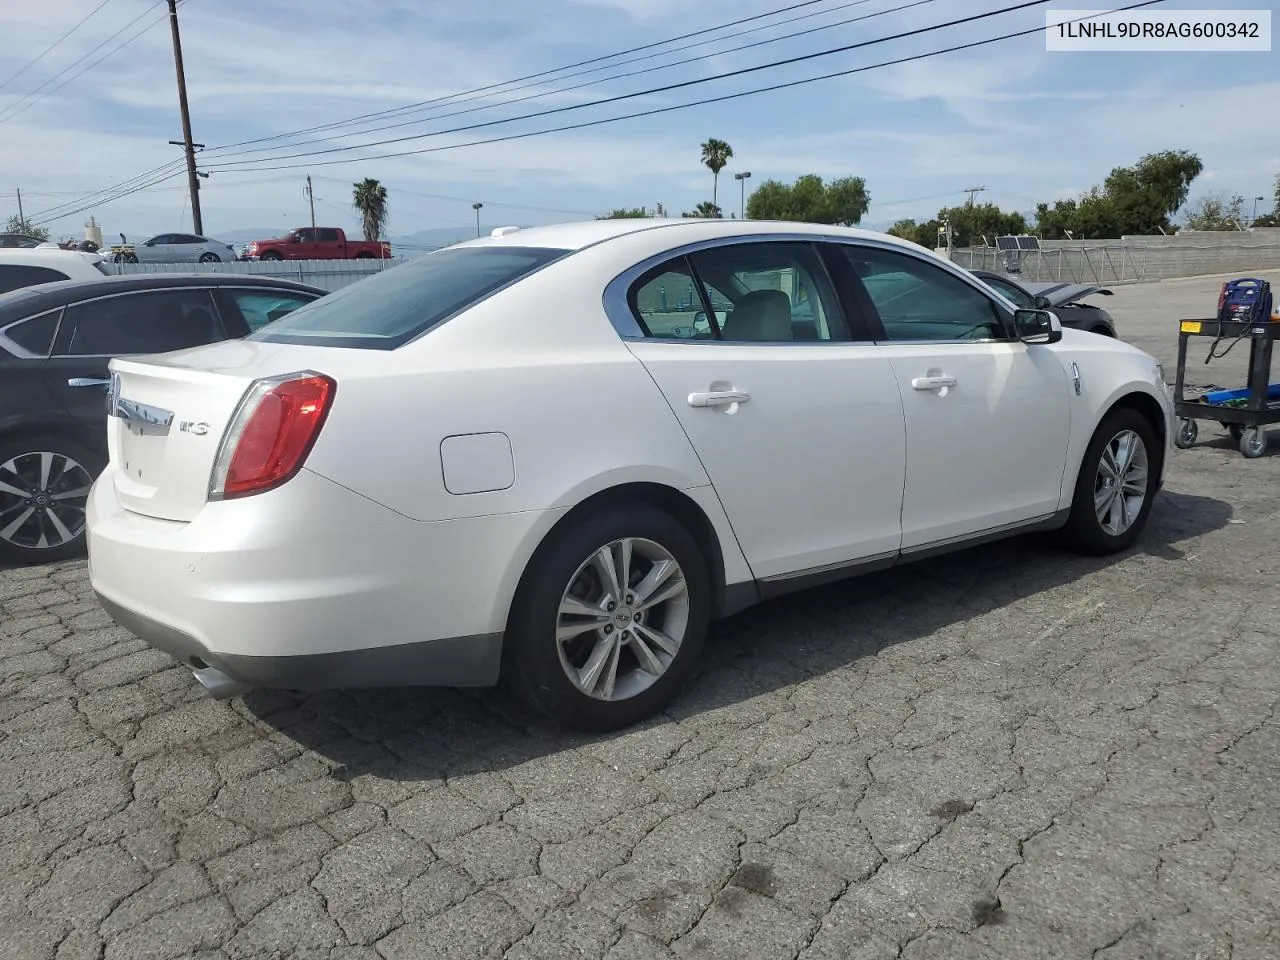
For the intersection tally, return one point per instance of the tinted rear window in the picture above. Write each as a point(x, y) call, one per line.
point(390, 309)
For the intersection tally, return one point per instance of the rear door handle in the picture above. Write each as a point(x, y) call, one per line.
point(932, 383)
point(87, 382)
point(718, 398)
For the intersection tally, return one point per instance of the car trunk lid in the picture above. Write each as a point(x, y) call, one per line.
point(169, 413)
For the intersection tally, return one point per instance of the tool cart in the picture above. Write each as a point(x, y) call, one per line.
point(1244, 312)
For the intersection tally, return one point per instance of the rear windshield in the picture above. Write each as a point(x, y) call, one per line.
point(391, 308)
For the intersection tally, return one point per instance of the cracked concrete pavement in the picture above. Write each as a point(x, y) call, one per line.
point(1004, 753)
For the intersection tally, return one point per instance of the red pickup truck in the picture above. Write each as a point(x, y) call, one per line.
point(318, 243)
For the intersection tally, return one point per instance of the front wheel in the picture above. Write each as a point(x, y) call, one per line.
point(271, 255)
point(210, 258)
point(1115, 485)
point(610, 619)
point(1185, 438)
point(44, 488)
point(1253, 442)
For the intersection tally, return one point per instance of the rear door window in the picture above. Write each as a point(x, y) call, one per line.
point(390, 309)
point(154, 321)
point(15, 276)
point(257, 308)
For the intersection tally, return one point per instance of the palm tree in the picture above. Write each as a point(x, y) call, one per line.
point(705, 209)
point(370, 198)
point(715, 156)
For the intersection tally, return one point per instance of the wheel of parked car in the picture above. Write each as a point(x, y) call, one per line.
point(210, 258)
point(271, 255)
point(610, 619)
point(44, 485)
point(1114, 487)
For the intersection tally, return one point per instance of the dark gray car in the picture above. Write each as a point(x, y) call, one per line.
point(56, 340)
point(1062, 298)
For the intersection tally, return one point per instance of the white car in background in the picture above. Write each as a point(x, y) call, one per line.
point(181, 248)
point(27, 266)
point(517, 456)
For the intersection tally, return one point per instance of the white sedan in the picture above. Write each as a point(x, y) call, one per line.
point(519, 457)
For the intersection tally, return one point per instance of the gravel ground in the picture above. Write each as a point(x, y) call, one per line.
point(1004, 753)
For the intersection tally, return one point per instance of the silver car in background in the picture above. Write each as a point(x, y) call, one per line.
point(183, 248)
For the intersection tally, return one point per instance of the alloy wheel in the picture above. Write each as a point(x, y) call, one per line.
point(1120, 486)
point(622, 619)
point(42, 499)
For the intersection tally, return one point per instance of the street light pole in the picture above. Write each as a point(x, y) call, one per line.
point(1255, 209)
point(476, 207)
point(742, 192)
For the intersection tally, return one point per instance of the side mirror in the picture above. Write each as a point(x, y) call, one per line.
point(1042, 303)
point(1037, 326)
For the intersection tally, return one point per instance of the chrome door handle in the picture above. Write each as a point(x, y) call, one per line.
point(932, 383)
point(87, 382)
point(718, 398)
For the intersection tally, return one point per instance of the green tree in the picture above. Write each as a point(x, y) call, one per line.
point(1141, 199)
point(16, 224)
point(716, 154)
point(1216, 212)
point(369, 197)
point(1271, 219)
point(624, 213)
point(706, 209)
point(843, 201)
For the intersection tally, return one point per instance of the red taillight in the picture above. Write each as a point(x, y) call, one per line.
point(271, 434)
point(1222, 298)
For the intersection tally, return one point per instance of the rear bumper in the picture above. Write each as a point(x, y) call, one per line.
point(452, 661)
point(311, 586)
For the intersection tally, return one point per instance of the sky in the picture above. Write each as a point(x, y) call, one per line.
point(1026, 124)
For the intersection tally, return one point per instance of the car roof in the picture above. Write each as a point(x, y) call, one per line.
point(577, 235)
point(47, 296)
point(52, 255)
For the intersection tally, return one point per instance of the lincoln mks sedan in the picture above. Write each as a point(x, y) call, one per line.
point(520, 459)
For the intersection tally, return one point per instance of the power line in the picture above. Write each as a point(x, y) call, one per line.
point(49, 49)
point(527, 77)
point(802, 58)
point(89, 198)
point(620, 76)
point(696, 103)
point(27, 102)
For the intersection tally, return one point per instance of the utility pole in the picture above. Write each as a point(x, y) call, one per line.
point(22, 219)
point(311, 198)
point(971, 191)
point(193, 182)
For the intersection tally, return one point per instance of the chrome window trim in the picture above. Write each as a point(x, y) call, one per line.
point(23, 353)
point(618, 309)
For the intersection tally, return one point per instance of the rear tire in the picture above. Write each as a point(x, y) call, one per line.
point(1119, 465)
point(46, 469)
point(210, 258)
point(566, 593)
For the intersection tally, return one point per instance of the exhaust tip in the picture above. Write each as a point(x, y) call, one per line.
point(218, 685)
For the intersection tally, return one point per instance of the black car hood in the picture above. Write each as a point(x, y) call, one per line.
point(1064, 294)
